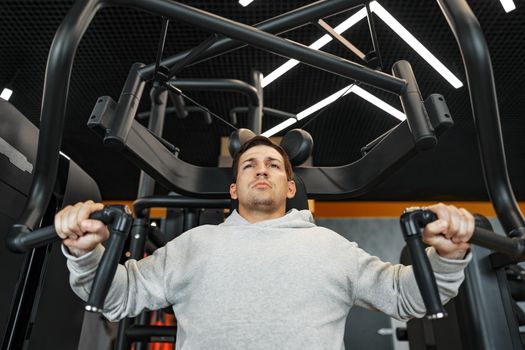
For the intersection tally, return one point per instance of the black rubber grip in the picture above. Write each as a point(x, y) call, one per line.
point(105, 272)
point(120, 221)
point(425, 278)
point(411, 224)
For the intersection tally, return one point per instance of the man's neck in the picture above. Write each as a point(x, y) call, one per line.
point(254, 216)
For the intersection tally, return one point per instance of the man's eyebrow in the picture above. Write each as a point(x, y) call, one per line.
point(273, 159)
point(266, 159)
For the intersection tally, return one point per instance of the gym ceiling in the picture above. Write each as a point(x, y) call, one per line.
point(119, 37)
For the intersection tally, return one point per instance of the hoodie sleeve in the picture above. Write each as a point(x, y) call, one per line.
point(392, 289)
point(137, 285)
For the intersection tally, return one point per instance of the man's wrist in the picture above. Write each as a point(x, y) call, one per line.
point(76, 252)
point(455, 255)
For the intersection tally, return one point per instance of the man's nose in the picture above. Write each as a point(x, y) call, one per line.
point(261, 170)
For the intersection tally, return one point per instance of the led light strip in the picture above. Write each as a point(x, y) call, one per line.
point(365, 95)
point(6, 94)
point(508, 5)
point(386, 17)
point(65, 155)
point(358, 16)
point(245, 2)
point(415, 44)
point(330, 99)
point(325, 39)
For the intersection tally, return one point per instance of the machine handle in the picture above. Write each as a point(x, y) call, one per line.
point(514, 247)
point(118, 219)
point(23, 239)
point(119, 228)
point(411, 224)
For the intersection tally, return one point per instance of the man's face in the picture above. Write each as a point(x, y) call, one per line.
point(262, 184)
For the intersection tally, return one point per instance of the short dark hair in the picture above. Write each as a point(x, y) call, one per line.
point(261, 141)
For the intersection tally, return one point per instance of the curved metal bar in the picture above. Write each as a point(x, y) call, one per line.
point(276, 25)
point(60, 62)
point(258, 38)
point(56, 85)
point(478, 68)
point(414, 107)
point(267, 111)
point(328, 183)
point(219, 85)
point(176, 202)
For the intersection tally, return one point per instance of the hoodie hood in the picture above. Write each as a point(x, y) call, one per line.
point(293, 219)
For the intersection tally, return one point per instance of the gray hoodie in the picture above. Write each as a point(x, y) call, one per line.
point(278, 284)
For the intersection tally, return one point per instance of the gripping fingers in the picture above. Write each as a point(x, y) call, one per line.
point(469, 225)
point(437, 227)
point(442, 225)
point(59, 218)
point(95, 226)
point(459, 233)
point(455, 225)
point(68, 222)
point(83, 215)
point(73, 222)
point(462, 228)
point(68, 229)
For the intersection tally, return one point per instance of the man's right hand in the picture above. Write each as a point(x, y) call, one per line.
point(79, 233)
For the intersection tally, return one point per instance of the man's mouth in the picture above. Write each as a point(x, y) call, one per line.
point(261, 184)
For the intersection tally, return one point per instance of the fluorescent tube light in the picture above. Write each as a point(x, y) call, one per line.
point(279, 127)
point(303, 114)
point(415, 44)
point(508, 5)
point(330, 99)
point(379, 103)
point(394, 25)
point(245, 2)
point(325, 39)
point(6, 94)
point(65, 155)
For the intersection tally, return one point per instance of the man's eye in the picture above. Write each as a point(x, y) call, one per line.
point(247, 166)
point(275, 166)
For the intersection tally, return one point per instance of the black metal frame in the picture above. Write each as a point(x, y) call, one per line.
point(252, 92)
point(322, 183)
point(346, 181)
point(482, 89)
point(75, 24)
point(276, 25)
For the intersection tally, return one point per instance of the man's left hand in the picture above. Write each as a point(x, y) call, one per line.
point(451, 232)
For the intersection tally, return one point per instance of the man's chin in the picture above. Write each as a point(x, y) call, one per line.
point(262, 204)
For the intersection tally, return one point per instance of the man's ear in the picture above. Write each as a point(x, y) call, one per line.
point(292, 189)
point(233, 191)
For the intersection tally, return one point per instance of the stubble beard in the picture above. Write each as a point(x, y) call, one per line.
point(265, 204)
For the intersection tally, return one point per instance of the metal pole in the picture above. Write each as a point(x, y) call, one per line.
point(276, 25)
point(56, 86)
point(269, 42)
point(219, 85)
point(256, 111)
point(482, 89)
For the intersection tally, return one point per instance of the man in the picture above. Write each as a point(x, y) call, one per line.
point(264, 279)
